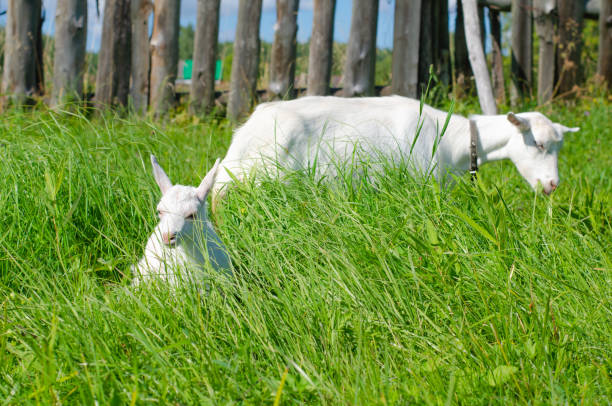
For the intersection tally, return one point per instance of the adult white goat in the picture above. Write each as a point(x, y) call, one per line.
point(319, 131)
point(184, 240)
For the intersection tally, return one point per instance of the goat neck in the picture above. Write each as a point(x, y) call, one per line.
point(494, 132)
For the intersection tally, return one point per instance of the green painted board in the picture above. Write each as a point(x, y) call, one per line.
point(218, 70)
point(188, 69)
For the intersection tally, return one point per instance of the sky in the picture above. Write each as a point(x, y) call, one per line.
point(229, 15)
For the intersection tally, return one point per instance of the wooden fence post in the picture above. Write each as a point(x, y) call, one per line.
point(164, 54)
point(426, 44)
point(141, 55)
point(443, 60)
point(114, 58)
point(40, 61)
point(21, 54)
point(321, 43)
point(604, 61)
point(571, 15)
point(477, 57)
point(522, 50)
point(434, 46)
point(245, 64)
point(405, 64)
point(463, 70)
point(69, 58)
point(202, 97)
point(497, 63)
point(544, 18)
point(359, 68)
point(282, 66)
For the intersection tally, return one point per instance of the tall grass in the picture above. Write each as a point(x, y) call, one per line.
point(403, 292)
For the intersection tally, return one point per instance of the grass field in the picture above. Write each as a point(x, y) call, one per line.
point(407, 293)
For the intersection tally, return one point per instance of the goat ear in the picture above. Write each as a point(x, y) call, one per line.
point(163, 181)
point(568, 129)
point(561, 129)
point(208, 182)
point(522, 124)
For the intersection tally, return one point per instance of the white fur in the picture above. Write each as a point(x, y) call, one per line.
point(318, 131)
point(184, 241)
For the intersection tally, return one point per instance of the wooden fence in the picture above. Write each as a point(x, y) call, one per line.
point(139, 71)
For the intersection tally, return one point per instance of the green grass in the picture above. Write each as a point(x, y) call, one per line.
point(347, 294)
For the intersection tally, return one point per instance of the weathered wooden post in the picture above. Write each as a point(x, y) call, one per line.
point(114, 59)
point(477, 58)
point(443, 61)
point(359, 68)
point(69, 58)
point(164, 54)
point(141, 55)
point(321, 41)
point(282, 66)
point(434, 47)
point(604, 61)
point(426, 44)
point(246, 60)
point(405, 64)
point(463, 70)
point(40, 64)
point(571, 15)
point(202, 97)
point(21, 53)
point(544, 17)
point(522, 50)
point(497, 64)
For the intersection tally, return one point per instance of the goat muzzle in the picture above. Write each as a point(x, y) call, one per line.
point(169, 238)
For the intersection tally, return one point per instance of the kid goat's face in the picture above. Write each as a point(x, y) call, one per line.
point(180, 205)
point(177, 210)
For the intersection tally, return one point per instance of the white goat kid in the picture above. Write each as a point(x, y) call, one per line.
point(317, 131)
point(184, 241)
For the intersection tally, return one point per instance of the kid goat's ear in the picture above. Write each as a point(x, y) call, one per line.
point(565, 129)
point(163, 181)
point(522, 124)
point(207, 182)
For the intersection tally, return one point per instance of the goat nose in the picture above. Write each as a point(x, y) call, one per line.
point(168, 238)
point(553, 185)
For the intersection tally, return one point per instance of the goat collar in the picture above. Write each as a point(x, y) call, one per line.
point(473, 149)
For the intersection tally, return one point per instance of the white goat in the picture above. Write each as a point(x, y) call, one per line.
point(318, 131)
point(184, 241)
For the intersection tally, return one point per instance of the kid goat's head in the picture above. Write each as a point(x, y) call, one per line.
point(180, 205)
point(535, 149)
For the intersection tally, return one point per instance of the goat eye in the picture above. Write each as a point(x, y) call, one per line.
point(190, 217)
point(540, 147)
